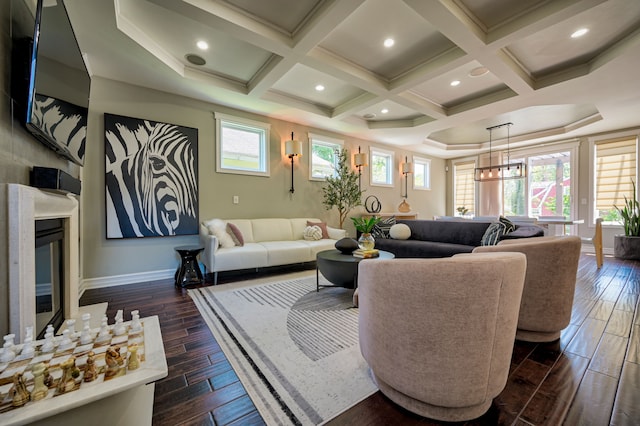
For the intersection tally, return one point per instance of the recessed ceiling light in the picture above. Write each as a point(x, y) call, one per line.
point(319, 87)
point(455, 83)
point(384, 110)
point(389, 42)
point(478, 71)
point(369, 116)
point(202, 45)
point(580, 32)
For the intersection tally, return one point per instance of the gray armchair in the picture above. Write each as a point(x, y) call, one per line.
point(547, 299)
point(438, 334)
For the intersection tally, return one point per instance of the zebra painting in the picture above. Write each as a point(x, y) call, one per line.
point(63, 123)
point(151, 178)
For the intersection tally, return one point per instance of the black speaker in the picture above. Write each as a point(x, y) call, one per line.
point(55, 179)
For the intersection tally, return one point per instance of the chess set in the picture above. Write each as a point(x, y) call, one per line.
point(74, 360)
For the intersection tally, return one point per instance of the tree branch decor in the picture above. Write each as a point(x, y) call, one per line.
point(342, 190)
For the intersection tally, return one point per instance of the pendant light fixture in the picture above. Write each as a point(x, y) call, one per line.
point(507, 170)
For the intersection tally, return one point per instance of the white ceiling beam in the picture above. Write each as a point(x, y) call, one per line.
point(453, 22)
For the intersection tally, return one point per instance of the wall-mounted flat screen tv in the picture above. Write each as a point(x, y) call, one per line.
point(50, 83)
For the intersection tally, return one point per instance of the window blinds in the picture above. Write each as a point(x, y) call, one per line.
point(615, 168)
point(465, 187)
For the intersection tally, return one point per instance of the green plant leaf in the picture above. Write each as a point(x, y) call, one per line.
point(630, 214)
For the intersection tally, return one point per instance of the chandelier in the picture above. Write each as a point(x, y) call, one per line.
point(508, 170)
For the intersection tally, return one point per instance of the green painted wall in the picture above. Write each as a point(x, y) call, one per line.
point(259, 196)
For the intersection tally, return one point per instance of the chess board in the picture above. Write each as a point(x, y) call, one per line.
point(61, 353)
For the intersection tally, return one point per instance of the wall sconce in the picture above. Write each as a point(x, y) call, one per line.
point(406, 168)
point(292, 148)
point(360, 160)
point(502, 171)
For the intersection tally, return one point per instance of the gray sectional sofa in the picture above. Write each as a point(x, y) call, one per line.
point(437, 238)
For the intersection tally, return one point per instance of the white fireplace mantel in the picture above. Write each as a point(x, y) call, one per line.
point(26, 205)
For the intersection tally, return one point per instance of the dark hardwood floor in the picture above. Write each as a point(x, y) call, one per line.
point(591, 376)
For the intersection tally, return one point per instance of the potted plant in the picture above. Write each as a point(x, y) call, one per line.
point(627, 246)
point(462, 210)
point(342, 190)
point(365, 225)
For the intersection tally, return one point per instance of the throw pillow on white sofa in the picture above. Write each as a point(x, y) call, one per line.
point(312, 233)
point(218, 227)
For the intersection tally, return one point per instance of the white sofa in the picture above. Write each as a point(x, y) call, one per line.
point(267, 242)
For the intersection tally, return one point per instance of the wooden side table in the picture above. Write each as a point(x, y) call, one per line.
point(188, 272)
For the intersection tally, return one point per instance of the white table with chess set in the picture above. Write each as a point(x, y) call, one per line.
point(95, 376)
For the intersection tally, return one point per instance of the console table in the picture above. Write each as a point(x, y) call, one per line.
point(125, 400)
point(558, 222)
point(398, 215)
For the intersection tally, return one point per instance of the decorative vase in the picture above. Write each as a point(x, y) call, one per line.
point(626, 247)
point(346, 245)
point(404, 207)
point(366, 241)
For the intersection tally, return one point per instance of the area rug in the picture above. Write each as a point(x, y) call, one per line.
point(295, 350)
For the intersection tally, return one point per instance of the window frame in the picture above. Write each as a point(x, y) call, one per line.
point(325, 141)
point(593, 141)
point(380, 152)
point(426, 162)
point(263, 129)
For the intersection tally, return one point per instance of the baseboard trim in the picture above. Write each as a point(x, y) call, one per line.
point(588, 248)
point(116, 280)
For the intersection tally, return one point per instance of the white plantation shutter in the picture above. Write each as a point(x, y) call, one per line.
point(465, 187)
point(615, 168)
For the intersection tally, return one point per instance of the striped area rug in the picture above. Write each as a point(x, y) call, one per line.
point(295, 350)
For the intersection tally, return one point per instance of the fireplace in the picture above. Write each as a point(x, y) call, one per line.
point(49, 259)
point(27, 206)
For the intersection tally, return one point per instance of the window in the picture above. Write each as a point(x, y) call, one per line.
point(549, 188)
point(421, 173)
point(464, 188)
point(514, 194)
point(615, 167)
point(242, 146)
point(381, 167)
point(549, 185)
point(323, 160)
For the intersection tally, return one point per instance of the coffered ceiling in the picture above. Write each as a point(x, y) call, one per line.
point(515, 60)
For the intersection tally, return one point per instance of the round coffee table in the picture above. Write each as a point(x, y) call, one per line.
point(341, 269)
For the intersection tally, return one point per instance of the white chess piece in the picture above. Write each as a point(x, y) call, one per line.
point(48, 344)
point(85, 335)
point(136, 325)
point(86, 321)
point(119, 328)
point(49, 331)
point(27, 347)
point(66, 342)
point(8, 353)
point(104, 333)
point(71, 326)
